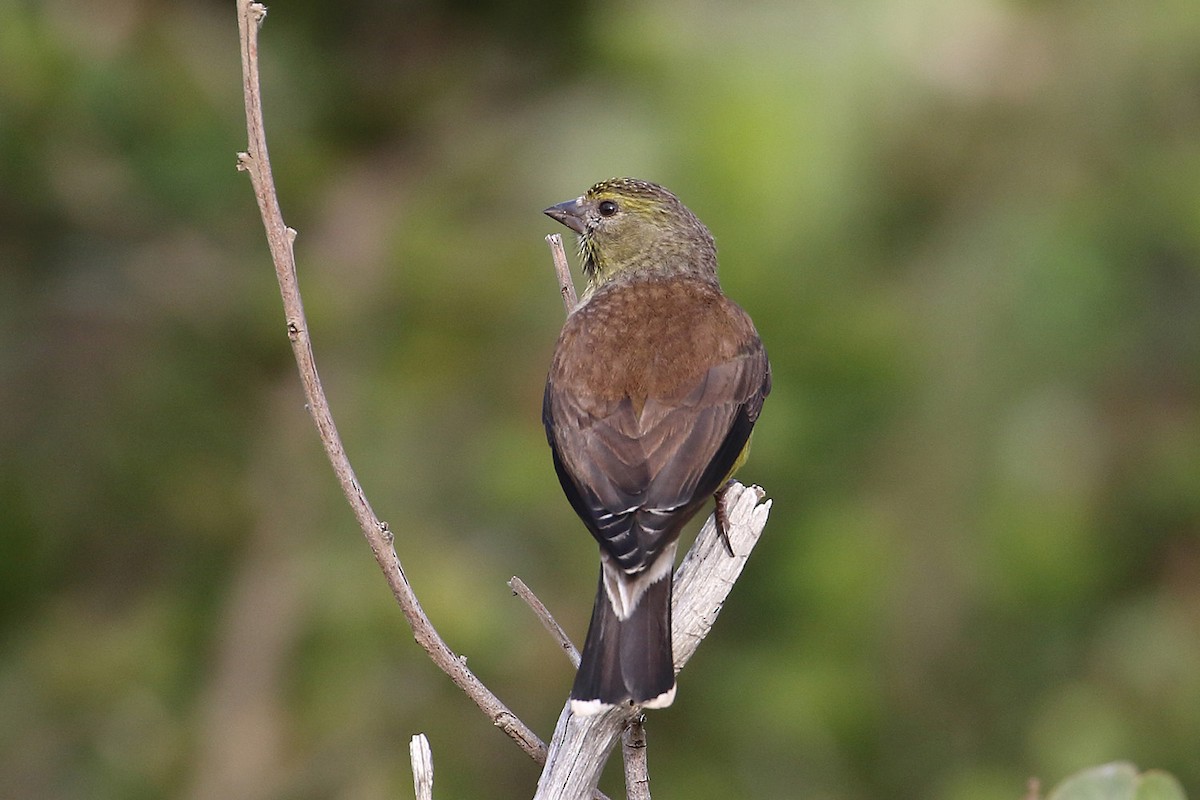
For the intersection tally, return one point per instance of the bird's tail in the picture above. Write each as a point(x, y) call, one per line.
point(627, 660)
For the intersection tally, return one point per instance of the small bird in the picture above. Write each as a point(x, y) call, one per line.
point(656, 382)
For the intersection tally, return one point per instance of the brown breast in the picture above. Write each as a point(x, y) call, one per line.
point(653, 338)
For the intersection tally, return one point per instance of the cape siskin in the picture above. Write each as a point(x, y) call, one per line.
point(656, 382)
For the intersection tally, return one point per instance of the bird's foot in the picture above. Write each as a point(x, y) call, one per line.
point(722, 516)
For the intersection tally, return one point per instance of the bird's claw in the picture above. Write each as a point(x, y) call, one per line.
point(722, 516)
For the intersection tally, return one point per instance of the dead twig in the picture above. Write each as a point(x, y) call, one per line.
point(421, 758)
point(565, 285)
point(543, 614)
point(280, 238)
point(633, 751)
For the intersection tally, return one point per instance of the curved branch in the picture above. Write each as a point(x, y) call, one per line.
point(280, 238)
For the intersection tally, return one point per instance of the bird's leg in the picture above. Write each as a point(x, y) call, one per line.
point(723, 516)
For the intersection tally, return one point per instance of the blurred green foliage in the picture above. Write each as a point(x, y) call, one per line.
point(969, 231)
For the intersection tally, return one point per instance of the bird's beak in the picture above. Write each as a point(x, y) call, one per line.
point(570, 213)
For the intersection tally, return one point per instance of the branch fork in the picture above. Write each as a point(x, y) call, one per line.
point(580, 745)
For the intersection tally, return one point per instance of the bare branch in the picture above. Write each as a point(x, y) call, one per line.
point(543, 614)
point(565, 285)
point(581, 745)
point(522, 590)
point(377, 534)
point(422, 766)
point(633, 749)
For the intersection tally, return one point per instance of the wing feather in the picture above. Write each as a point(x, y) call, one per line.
point(635, 476)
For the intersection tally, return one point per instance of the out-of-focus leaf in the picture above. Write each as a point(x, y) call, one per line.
point(1158, 785)
point(1118, 781)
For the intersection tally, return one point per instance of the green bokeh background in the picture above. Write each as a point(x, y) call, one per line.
point(968, 230)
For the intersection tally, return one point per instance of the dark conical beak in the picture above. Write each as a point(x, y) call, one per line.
point(570, 213)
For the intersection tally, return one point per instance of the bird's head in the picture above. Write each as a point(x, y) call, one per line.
point(627, 225)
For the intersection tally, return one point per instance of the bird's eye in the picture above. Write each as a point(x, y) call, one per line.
point(607, 208)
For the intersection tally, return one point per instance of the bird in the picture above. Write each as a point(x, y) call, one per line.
point(656, 382)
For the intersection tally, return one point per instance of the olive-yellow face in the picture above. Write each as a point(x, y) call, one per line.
point(630, 225)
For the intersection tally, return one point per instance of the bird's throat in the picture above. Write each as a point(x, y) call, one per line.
point(589, 260)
